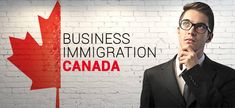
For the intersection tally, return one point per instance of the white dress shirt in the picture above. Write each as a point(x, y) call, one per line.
point(179, 77)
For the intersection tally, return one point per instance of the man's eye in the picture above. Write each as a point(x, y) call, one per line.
point(186, 24)
point(201, 26)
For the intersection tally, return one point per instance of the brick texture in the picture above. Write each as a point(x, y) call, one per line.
point(150, 23)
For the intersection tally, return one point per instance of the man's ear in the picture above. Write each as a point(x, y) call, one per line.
point(210, 36)
point(178, 30)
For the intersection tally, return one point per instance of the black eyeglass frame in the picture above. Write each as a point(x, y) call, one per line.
point(195, 25)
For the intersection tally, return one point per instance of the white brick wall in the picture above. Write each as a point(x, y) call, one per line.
point(150, 23)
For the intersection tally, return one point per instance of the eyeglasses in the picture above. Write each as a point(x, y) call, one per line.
point(199, 27)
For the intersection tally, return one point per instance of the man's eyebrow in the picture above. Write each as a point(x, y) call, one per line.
point(185, 19)
point(195, 23)
point(202, 23)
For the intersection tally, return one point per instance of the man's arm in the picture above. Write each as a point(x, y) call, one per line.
point(207, 95)
point(146, 100)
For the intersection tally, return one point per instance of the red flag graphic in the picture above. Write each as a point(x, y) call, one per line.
point(41, 63)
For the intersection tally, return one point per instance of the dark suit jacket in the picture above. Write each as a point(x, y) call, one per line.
point(212, 85)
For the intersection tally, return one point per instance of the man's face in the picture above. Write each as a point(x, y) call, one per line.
point(191, 37)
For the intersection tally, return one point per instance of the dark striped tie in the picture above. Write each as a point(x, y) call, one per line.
point(186, 92)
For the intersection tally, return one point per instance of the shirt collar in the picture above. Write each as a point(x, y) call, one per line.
point(178, 71)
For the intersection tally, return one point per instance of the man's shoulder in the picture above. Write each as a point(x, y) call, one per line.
point(221, 67)
point(160, 67)
point(221, 70)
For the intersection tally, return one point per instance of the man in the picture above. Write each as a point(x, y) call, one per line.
point(190, 79)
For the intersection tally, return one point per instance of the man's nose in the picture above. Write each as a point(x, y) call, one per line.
point(192, 31)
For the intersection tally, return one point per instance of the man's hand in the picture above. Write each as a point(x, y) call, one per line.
point(188, 57)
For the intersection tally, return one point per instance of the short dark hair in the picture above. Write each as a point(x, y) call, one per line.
point(203, 8)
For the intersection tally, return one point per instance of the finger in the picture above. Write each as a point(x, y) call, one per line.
point(185, 48)
point(183, 61)
point(184, 53)
point(183, 58)
point(181, 51)
point(188, 48)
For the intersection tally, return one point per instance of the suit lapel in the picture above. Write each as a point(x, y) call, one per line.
point(171, 82)
point(208, 67)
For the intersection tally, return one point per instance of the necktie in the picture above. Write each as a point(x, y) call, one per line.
point(186, 92)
